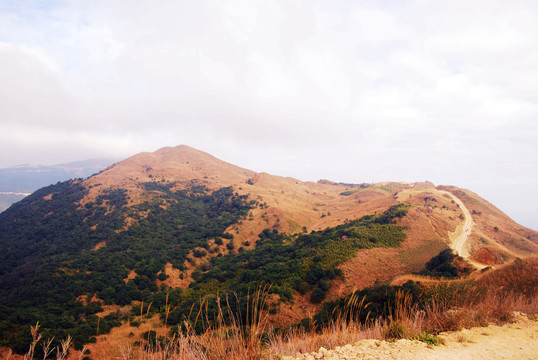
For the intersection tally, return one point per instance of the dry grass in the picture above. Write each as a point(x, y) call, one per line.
point(408, 321)
point(230, 336)
point(232, 341)
point(492, 298)
point(519, 277)
point(61, 352)
point(336, 334)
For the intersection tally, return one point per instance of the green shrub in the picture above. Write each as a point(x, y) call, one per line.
point(349, 192)
point(199, 253)
point(395, 331)
point(441, 265)
point(318, 295)
point(428, 338)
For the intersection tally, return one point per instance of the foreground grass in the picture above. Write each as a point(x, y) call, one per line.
point(493, 298)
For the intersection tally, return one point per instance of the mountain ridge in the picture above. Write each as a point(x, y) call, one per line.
point(180, 221)
point(313, 205)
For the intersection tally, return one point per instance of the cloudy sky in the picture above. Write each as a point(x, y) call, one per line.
point(354, 91)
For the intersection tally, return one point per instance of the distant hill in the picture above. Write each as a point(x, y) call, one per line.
point(158, 232)
point(19, 181)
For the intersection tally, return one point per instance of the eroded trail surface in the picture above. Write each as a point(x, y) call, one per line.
point(516, 341)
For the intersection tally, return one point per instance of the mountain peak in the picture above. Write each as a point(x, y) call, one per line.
point(172, 164)
point(179, 151)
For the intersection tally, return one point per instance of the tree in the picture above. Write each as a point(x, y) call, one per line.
point(318, 295)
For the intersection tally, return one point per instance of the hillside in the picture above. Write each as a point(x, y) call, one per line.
point(156, 233)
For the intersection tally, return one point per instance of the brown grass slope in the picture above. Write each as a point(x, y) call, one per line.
point(496, 238)
point(294, 206)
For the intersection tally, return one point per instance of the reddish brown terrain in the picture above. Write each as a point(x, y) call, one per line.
point(293, 206)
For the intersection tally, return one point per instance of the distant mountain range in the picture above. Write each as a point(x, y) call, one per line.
point(158, 234)
point(19, 181)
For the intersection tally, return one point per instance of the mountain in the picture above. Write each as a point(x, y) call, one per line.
point(158, 233)
point(19, 181)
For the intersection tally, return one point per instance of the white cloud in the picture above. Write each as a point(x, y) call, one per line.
point(356, 91)
point(33, 90)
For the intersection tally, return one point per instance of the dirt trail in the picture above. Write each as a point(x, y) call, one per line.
point(518, 340)
point(460, 236)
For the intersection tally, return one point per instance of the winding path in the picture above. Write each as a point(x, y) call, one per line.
point(460, 236)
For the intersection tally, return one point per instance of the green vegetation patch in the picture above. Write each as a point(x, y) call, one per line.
point(383, 188)
point(299, 263)
point(442, 265)
point(368, 304)
point(350, 192)
point(48, 265)
point(353, 191)
point(47, 262)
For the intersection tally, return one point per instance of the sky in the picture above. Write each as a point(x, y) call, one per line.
point(351, 91)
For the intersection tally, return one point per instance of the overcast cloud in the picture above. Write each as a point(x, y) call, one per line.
point(354, 91)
